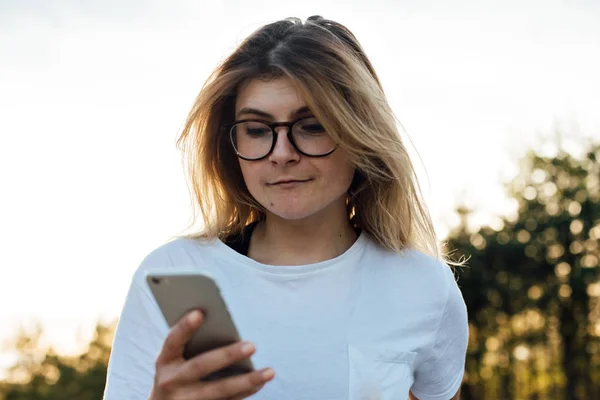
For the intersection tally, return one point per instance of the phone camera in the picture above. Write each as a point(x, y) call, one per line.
point(155, 280)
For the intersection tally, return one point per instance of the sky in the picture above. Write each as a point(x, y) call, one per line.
point(94, 94)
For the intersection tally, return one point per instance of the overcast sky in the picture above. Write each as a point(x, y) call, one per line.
point(93, 95)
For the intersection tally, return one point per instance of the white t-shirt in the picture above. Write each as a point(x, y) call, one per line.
point(369, 324)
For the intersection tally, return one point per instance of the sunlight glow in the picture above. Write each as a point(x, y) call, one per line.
point(92, 102)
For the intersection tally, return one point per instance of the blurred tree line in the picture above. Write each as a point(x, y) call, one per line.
point(531, 286)
point(41, 374)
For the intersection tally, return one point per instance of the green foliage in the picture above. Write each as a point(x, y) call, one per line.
point(44, 375)
point(531, 286)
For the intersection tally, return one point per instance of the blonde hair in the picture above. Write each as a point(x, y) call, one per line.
point(338, 82)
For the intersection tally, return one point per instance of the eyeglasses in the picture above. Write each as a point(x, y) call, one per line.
point(255, 139)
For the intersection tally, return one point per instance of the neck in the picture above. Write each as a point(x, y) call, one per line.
point(276, 241)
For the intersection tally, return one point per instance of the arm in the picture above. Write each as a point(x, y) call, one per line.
point(440, 367)
point(138, 339)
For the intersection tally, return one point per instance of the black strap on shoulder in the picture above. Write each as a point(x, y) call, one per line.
point(241, 241)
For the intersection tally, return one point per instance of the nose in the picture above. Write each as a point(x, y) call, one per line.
point(283, 152)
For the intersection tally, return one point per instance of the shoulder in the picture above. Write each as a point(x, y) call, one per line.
point(412, 282)
point(179, 254)
point(432, 269)
point(423, 271)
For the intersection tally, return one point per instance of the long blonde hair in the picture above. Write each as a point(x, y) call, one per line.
point(338, 82)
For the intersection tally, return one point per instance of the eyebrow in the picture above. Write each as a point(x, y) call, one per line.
point(263, 114)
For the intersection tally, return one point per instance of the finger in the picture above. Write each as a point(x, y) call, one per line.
point(214, 360)
point(229, 387)
point(179, 335)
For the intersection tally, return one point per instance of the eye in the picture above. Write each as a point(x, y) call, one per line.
point(255, 129)
point(310, 126)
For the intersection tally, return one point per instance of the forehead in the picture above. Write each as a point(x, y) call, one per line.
point(276, 96)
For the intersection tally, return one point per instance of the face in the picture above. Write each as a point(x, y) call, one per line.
point(287, 183)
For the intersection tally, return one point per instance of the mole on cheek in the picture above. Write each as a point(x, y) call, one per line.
point(272, 204)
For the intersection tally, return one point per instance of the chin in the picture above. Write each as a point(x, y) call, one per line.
point(292, 214)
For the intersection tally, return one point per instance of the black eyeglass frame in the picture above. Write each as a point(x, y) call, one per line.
point(289, 125)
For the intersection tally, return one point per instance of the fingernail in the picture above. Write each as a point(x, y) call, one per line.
point(268, 373)
point(194, 317)
point(247, 348)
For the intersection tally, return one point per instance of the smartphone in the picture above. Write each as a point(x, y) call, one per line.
point(177, 294)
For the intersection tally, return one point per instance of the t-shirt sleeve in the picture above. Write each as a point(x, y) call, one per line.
point(440, 369)
point(140, 333)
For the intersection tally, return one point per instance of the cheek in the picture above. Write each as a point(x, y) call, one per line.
point(340, 174)
point(251, 172)
point(342, 178)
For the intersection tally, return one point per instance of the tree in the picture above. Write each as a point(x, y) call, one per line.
point(531, 286)
point(42, 374)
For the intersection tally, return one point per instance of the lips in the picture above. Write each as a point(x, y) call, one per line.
point(288, 181)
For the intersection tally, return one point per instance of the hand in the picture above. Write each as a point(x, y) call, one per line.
point(178, 379)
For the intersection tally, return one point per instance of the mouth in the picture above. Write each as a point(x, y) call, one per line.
point(286, 182)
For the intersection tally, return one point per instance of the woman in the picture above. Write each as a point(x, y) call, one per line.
point(315, 231)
